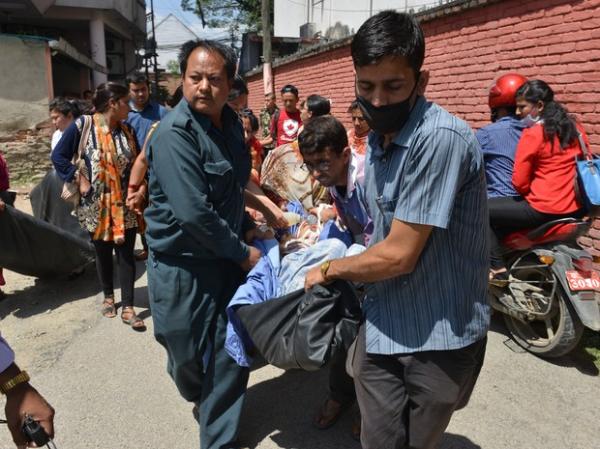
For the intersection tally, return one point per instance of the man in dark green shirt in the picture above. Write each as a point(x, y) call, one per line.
point(198, 167)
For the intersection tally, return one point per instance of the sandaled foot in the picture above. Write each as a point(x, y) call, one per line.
point(328, 414)
point(108, 309)
point(129, 317)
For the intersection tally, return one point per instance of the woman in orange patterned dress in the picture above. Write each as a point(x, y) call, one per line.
point(102, 175)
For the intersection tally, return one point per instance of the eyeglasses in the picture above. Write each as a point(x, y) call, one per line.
point(322, 166)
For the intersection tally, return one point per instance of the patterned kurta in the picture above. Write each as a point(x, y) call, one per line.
point(88, 209)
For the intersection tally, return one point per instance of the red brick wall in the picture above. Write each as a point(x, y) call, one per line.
point(328, 74)
point(554, 40)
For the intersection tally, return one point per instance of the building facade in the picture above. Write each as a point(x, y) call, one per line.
point(62, 48)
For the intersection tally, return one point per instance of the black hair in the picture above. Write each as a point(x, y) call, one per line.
point(138, 78)
point(176, 97)
point(239, 87)
point(495, 112)
point(87, 91)
point(65, 107)
point(556, 119)
point(322, 133)
point(210, 46)
point(289, 88)
point(106, 92)
point(318, 105)
point(247, 113)
point(389, 33)
point(270, 95)
point(353, 106)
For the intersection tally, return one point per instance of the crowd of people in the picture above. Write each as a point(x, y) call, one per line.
point(409, 184)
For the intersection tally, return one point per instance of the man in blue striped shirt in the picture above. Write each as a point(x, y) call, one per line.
point(422, 345)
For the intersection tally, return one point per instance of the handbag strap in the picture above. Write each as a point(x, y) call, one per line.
point(85, 132)
point(584, 148)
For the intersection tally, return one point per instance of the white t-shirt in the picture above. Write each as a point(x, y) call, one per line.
point(55, 138)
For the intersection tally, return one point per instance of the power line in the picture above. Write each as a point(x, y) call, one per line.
point(426, 5)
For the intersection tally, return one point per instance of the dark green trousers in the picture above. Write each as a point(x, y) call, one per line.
point(188, 303)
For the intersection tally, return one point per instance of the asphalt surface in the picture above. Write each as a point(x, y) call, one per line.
point(110, 388)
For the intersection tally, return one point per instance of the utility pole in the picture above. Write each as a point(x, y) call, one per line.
point(267, 58)
point(154, 51)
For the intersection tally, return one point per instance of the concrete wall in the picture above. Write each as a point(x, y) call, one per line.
point(24, 87)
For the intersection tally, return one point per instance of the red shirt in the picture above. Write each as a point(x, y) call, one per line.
point(544, 174)
point(256, 150)
point(4, 184)
point(287, 126)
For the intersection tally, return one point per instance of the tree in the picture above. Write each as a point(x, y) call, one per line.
point(225, 13)
point(173, 67)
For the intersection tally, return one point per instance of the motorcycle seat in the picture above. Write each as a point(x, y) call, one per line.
point(563, 229)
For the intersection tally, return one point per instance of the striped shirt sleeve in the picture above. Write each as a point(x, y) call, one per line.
point(434, 174)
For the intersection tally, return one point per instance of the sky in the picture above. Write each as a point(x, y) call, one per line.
point(163, 8)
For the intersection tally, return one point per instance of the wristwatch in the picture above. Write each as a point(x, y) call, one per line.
point(324, 268)
point(20, 378)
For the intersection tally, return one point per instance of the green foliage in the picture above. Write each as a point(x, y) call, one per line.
point(173, 67)
point(227, 13)
point(591, 345)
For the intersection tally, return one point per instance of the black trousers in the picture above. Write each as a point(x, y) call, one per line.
point(341, 385)
point(513, 213)
point(407, 400)
point(126, 261)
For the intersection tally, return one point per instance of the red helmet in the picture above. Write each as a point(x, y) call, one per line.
point(502, 93)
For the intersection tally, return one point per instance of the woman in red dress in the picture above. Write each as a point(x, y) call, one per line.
point(544, 171)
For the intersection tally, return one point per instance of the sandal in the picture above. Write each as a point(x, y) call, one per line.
point(136, 323)
point(108, 308)
point(328, 415)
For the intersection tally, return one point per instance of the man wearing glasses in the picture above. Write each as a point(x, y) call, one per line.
point(324, 147)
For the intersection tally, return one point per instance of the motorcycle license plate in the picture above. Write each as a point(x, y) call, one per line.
point(577, 282)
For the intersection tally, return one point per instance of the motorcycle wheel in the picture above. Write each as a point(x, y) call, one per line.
point(555, 335)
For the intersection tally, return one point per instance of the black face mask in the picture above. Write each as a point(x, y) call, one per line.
point(389, 118)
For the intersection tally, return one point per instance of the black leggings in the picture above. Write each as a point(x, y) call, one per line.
point(126, 260)
point(513, 213)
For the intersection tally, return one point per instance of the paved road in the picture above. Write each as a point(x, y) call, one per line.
point(110, 387)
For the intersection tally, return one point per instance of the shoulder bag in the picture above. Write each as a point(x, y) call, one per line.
point(70, 192)
point(588, 176)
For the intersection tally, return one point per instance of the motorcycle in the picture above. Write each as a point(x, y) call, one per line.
point(551, 291)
